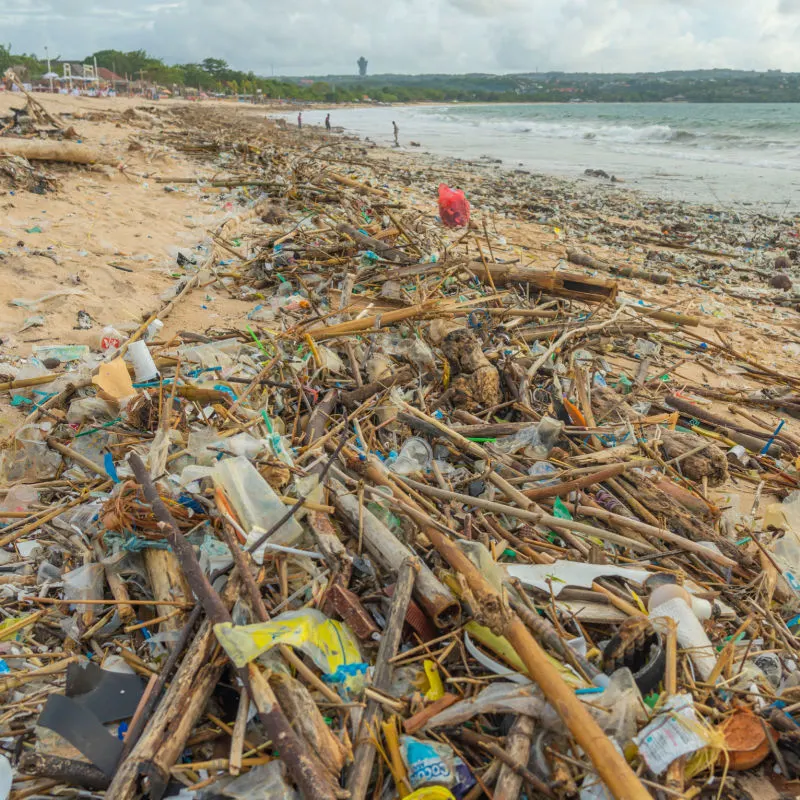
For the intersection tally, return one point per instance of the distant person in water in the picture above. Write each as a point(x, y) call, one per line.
point(396, 134)
point(300, 121)
point(328, 123)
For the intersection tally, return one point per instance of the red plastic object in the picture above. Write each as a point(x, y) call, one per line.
point(453, 207)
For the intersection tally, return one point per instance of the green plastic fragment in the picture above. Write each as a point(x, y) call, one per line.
point(560, 510)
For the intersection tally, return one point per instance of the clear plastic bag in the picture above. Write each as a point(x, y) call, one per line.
point(622, 701)
point(84, 583)
point(500, 698)
point(544, 469)
point(540, 437)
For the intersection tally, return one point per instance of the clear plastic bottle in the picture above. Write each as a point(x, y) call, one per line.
point(415, 455)
point(257, 506)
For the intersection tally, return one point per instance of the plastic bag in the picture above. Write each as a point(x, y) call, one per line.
point(264, 780)
point(499, 698)
point(541, 437)
point(453, 207)
point(84, 583)
point(331, 645)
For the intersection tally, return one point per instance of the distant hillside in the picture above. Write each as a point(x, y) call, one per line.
point(717, 85)
point(217, 76)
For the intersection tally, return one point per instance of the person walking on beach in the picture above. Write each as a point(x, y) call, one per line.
point(396, 134)
point(328, 123)
point(300, 120)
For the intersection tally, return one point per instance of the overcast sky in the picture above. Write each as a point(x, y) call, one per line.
point(302, 37)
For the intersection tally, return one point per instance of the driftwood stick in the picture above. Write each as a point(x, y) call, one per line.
point(518, 748)
point(564, 488)
point(64, 770)
point(364, 757)
point(302, 765)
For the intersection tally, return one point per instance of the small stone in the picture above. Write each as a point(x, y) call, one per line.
point(781, 281)
point(782, 263)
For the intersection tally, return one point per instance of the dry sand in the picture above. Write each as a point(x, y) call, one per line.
point(101, 217)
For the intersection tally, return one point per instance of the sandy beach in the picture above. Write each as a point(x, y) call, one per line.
point(106, 240)
point(583, 387)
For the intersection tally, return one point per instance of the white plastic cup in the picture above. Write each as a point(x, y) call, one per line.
point(143, 364)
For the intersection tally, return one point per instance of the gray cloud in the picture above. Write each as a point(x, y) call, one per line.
point(413, 36)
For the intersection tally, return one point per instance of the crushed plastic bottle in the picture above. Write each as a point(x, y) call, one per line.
point(415, 456)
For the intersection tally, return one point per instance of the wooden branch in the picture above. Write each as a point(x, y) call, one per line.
point(364, 757)
point(51, 150)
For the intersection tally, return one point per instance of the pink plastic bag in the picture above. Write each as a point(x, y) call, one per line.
point(453, 207)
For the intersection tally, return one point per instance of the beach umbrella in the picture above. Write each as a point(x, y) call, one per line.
point(50, 75)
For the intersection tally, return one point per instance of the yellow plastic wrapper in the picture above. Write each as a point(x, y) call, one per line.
point(331, 645)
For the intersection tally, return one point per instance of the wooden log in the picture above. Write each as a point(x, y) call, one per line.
point(168, 583)
point(63, 770)
point(571, 285)
point(51, 150)
point(585, 260)
point(308, 723)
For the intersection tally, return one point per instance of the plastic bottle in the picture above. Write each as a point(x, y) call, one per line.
point(415, 456)
point(153, 329)
point(257, 506)
point(143, 364)
point(676, 603)
point(110, 339)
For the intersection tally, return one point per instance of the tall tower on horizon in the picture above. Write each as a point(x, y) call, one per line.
point(362, 66)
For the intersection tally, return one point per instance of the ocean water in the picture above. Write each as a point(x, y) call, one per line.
point(737, 156)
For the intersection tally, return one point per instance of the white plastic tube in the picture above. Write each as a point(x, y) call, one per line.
point(143, 364)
